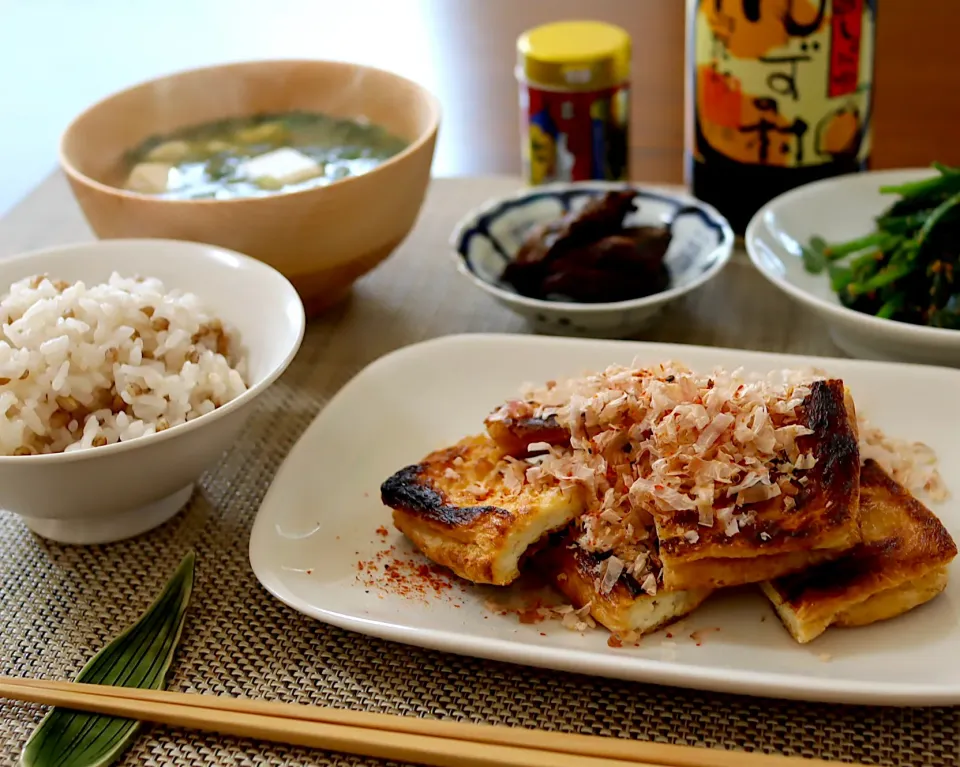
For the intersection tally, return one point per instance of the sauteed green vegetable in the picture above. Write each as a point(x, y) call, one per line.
point(906, 269)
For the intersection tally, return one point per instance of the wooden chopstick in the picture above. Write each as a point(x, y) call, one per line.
point(384, 736)
point(170, 709)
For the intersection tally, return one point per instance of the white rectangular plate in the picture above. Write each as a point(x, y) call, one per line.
point(322, 512)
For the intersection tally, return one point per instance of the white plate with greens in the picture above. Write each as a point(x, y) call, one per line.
point(875, 294)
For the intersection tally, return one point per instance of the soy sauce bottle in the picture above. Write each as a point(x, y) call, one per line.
point(779, 94)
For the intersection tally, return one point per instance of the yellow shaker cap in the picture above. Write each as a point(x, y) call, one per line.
point(574, 55)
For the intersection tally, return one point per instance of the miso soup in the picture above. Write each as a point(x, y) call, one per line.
point(256, 156)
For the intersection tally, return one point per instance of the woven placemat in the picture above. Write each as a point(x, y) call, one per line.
point(58, 605)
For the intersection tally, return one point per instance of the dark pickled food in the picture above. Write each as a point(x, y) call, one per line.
point(589, 256)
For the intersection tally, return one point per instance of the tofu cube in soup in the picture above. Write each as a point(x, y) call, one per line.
point(281, 167)
point(149, 177)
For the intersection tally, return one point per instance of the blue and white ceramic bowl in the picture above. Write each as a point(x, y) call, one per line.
point(488, 238)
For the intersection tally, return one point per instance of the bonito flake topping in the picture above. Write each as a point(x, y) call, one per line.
point(651, 441)
point(648, 441)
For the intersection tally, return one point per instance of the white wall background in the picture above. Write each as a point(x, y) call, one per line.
point(58, 56)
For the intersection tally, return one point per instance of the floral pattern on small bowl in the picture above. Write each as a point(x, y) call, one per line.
point(488, 238)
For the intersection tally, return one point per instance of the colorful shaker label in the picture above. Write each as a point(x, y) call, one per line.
point(783, 83)
point(575, 136)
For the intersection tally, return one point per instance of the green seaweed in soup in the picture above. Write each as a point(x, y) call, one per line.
point(256, 156)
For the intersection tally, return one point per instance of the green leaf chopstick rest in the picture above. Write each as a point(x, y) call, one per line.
point(139, 657)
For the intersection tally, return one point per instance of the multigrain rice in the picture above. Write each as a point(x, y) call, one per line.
point(84, 366)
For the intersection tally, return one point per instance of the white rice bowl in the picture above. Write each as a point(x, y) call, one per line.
point(85, 366)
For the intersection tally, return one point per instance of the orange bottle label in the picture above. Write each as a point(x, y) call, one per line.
point(783, 83)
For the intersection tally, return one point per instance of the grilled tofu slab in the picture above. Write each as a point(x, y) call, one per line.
point(901, 563)
point(623, 608)
point(464, 509)
point(818, 522)
point(779, 536)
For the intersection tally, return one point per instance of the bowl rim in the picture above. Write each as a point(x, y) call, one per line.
point(412, 148)
point(878, 325)
point(251, 393)
point(724, 247)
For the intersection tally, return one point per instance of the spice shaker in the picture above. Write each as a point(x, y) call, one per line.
point(574, 79)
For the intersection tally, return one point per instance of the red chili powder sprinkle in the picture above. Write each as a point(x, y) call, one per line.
point(382, 531)
point(406, 576)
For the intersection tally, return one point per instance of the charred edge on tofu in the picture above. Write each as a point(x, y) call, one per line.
point(546, 429)
point(871, 475)
point(836, 448)
point(408, 490)
point(835, 577)
point(835, 477)
point(515, 435)
point(588, 563)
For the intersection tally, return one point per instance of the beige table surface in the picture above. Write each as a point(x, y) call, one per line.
point(60, 604)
